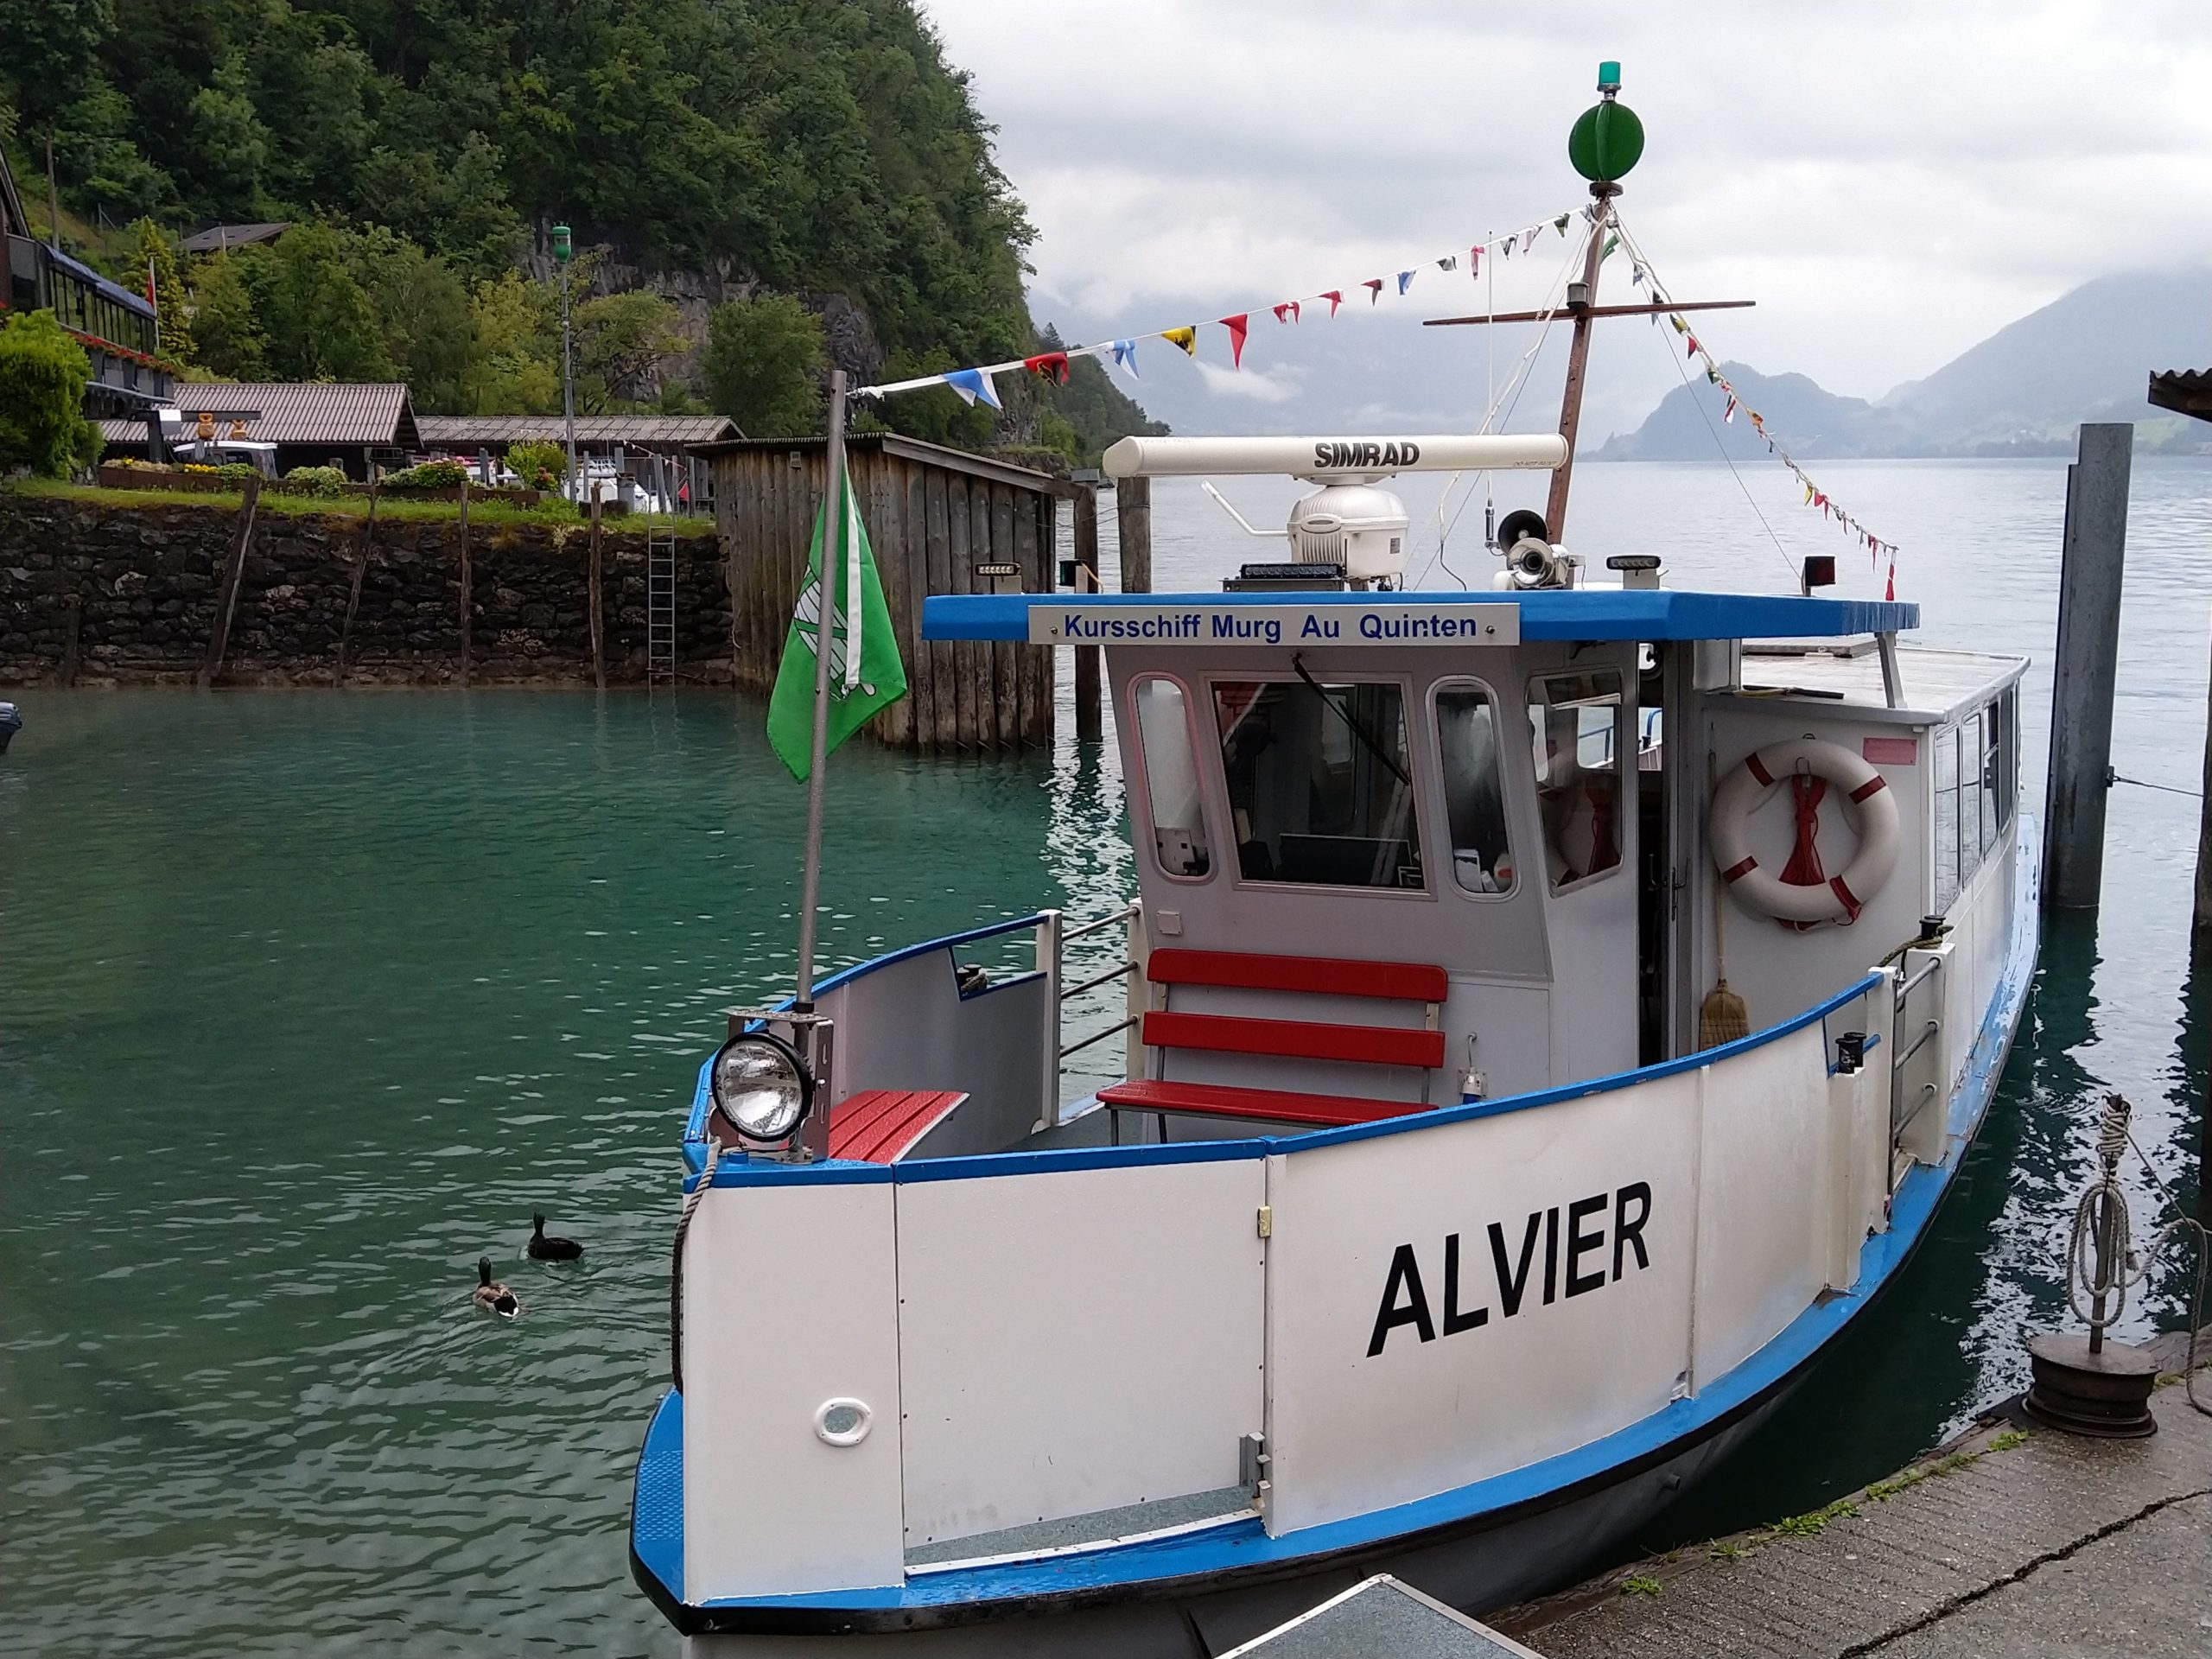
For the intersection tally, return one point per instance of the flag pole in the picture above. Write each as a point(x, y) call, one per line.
point(832, 524)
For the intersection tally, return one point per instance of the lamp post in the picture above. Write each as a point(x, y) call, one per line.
point(561, 248)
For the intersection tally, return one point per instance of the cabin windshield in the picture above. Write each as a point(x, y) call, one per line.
point(1320, 782)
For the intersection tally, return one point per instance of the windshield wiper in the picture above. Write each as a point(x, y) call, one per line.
point(1351, 725)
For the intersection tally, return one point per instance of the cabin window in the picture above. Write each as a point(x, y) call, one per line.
point(1171, 779)
point(1976, 785)
point(1574, 721)
point(1474, 800)
point(1970, 796)
point(1320, 782)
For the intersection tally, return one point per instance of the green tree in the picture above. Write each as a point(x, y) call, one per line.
point(226, 337)
point(319, 322)
point(514, 355)
point(172, 306)
point(538, 463)
point(42, 376)
point(48, 51)
point(764, 365)
point(620, 342)
point(422, 316)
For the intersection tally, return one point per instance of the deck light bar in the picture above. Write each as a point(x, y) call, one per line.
point(1332, 458)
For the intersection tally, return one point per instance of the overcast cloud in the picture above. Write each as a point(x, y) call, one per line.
point(1891, 182)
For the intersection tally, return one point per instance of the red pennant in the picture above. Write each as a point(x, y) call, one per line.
point(1048, 365)
point(1286, 312)
point(1237, 326)
point(1889, 591)
point(1695, 347)
point(1335, 297)
point(1474, 261)
point(1374, 287)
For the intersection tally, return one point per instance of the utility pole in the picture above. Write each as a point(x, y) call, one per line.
point(53, 199)
point(562, 246)
point(2084, 666)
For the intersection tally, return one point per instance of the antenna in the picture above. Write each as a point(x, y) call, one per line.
point(1224, 502)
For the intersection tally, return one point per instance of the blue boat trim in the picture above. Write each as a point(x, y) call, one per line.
point(1243, 1546)
point(1643, 614)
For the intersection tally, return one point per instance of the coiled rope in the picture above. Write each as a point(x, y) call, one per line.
point(2123, 1269)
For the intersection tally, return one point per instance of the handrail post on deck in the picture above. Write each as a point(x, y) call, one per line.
point(1050, 946)
point(1139, 994)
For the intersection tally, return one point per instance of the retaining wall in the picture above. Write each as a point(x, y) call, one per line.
point(139, 587)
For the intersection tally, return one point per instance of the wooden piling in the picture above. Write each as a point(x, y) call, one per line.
point(468, 588)
point(1132, 516)
point(73, 626)
point(598, 604)
point(2085, 665)
point(218, 636)
point(360, 569)
point(1090, 718)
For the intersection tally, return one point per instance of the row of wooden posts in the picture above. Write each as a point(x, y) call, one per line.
point(1133, 515)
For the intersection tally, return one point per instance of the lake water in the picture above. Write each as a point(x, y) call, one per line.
point(308, 1000)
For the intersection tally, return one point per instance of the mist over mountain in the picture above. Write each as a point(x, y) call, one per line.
point(2087, 356)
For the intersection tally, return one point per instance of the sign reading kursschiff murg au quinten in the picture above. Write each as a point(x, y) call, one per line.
point(1382, 622)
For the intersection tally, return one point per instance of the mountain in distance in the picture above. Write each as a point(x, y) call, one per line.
point(2087, 356)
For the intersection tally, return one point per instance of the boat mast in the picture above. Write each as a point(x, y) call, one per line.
point(1581, 297)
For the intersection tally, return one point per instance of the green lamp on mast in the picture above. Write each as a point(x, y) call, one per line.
point(562, 247)
point(1605, 144)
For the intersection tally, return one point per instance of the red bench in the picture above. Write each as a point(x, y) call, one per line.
point(880, 1126)
point(1164, 1028)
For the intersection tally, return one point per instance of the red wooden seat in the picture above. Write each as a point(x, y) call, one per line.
point(1163, 1028)
point(880, 1126)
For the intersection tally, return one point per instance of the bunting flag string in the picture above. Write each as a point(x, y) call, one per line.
point(977, 385)
point(1879, 549)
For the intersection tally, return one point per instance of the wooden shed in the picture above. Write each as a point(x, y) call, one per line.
point(940, 521)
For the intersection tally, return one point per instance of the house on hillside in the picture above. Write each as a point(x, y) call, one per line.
point(222, 239)
point(353, 426)
point(115, 327)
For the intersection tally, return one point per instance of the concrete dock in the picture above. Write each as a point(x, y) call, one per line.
point(2009, 1540)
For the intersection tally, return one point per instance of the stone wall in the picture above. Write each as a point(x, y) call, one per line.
point(146, 579)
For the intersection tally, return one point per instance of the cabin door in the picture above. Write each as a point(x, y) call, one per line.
point(1583, 735)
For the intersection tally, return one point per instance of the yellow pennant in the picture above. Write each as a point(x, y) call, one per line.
point(1186, 338)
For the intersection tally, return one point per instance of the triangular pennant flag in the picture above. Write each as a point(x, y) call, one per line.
point(1237, 326)
point(1405, 282)
point(1186, 338)
point(1560, 224)
point(1611, 244)
point(1505, 248)
point(974, 386)
point(1048, 365)
point(1728, 414)
point(1681, 328)
point(1374, 287)
point(1125, 357)
point(1695, 348)
point(1335, 297)
point(1809, 490)
point(1283, 311)
point(1449, 262)
point(1636, 278)
point(1889, 589)
point(1474, 262)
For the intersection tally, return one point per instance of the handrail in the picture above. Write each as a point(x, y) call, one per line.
point(1094, 983)
point(1918, 1043)
point(1907, 985)
point(1100, 1036)
point(1111, 918)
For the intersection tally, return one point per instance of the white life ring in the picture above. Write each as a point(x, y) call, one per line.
point(1840, 898)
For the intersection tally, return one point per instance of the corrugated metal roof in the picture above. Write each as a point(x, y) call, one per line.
point(467, 431)
point(892, 443)
point(304, 412)
point(2185, 392)
point(234, 236)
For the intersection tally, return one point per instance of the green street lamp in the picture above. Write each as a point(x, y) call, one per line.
point(562, 248)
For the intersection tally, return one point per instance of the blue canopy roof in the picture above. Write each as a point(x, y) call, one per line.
point(1639, 614)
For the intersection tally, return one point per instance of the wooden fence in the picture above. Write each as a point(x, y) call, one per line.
point(940, 521)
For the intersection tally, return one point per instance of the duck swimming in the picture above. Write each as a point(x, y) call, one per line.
point(492, 1297)
point(543, 1249)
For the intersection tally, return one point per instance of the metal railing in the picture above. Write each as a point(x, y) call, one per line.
point(1901, 1117)
point(1052, 937)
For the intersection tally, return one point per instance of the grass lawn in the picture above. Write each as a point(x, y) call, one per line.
point(481, 510)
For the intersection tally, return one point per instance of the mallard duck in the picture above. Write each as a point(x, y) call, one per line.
point(543, 1249)
point(491, 1296)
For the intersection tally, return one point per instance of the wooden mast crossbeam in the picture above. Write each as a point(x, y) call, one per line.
point(1571, 312)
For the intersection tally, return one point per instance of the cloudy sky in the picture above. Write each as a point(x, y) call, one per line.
point(1891, 182)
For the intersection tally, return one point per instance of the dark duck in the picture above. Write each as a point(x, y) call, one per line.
point(543, 1249)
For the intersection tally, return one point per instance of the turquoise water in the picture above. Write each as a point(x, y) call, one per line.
point(308, 1000)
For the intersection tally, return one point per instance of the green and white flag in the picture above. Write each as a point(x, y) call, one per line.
point(865, 672)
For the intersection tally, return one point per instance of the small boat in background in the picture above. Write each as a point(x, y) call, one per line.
point(11, 722)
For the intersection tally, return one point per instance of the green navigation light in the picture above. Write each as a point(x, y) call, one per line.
point(1608, 138)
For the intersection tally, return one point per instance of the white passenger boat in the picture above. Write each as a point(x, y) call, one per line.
point(1428, 1230)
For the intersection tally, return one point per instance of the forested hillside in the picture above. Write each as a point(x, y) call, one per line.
point(707, 151)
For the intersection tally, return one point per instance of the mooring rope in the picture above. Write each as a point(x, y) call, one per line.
point(2114, 1138)
point(675, 1270)
point(2111, 778)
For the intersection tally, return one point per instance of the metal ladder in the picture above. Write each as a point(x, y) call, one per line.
point(660, 608)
